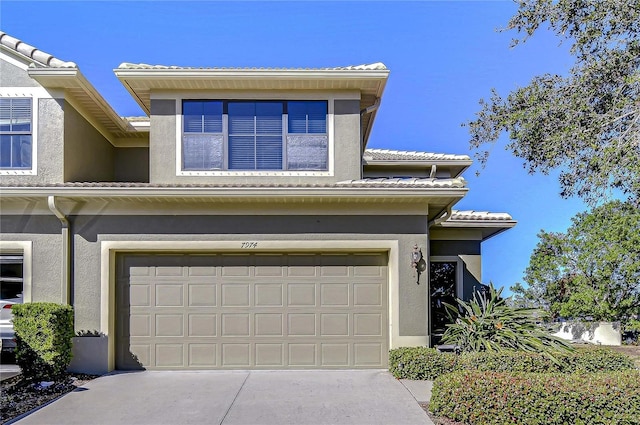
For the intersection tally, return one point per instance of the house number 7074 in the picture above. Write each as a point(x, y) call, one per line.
point(248, 245)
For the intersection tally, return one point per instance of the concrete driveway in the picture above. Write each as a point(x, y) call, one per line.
point(237, 397)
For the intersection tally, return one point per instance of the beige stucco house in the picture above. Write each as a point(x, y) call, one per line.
point(241, 224)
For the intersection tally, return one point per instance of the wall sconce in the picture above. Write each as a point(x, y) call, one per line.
point(418, 262)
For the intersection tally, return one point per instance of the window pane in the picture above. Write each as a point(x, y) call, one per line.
point(5, 151)
point(21, 115)
point(317, 117)
point(269, 118)
point(269, 152)
point(297, 114)
point(212, 117)
point(202, 152)
point(5, 114)
point(202, 116)
point(241, 118)
point(242, 153)
point(15, 151)
point(307, 152)
point(192, 116)
point(307, 117)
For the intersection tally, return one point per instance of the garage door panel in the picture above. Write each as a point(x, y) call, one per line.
point(235, 324)
point(203, 355)
point(301, 295)
point(169, 295)
point(334, 294)
point(203, 325)
point(202, 295)
point(268, 294)
point(236, 355)
point(235, 295)
point(252, 311)
point(269, 355)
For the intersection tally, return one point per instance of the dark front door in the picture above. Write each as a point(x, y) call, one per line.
point(443, 276)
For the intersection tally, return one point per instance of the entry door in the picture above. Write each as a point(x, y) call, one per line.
point(443, 281)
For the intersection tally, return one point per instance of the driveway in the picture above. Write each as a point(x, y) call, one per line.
point(237, 397)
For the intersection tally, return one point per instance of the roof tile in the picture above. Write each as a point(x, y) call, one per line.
point(42, 58)
point(471, 215)
point(396, 155)
point(365, 67)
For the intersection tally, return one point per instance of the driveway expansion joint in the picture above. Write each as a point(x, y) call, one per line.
point(234, 398)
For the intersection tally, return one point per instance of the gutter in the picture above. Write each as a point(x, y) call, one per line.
point(66, 250)
point(445, 215)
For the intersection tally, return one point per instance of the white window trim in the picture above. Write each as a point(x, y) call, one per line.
point(35, 93)
point(25, 248)
point(330, 98)
point(459, 270)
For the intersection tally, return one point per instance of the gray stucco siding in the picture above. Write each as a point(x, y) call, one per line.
point(46, 267)
point(90, 231)
point(50, 147)
point(12, 76)
point(88, 155)
point(447, 248)
point(163, 144)
point(131, 165)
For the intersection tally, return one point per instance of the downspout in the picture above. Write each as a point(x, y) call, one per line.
point(66, 250)
point(444, 216)
point(369, 109)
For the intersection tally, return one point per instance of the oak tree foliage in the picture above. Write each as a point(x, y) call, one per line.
point(587, 123)
point(591, 270)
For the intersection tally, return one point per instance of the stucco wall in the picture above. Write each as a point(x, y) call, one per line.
point(49, 146)
point(131, 164)
point(45, 234)
point(92, 230)
point(88, 156)
point(162, 148)
point(469, 251)
point(12, 76)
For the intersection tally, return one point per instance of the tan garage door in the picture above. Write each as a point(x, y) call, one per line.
point(252, 311)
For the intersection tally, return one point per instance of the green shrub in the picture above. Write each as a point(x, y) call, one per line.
point(427, 363)
point(595, 359)
point(581, 360)
point(487, 323)
point(493, 398)
point(420, 363)
point(43, 337)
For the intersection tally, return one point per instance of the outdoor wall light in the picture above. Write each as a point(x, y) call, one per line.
point(417, 262)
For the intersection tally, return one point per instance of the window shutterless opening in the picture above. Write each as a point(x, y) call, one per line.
point(254, 135)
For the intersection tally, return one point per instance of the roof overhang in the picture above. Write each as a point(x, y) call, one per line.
point(456, 167)
point(91, 105)
point(488, 228)
point(141, 81)
point(433, 198)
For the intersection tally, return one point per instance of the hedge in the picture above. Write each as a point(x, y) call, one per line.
point(494, 398)
point(427, 363)
point(43, 339)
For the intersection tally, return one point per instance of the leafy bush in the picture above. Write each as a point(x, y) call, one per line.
point(427, 363)
point(43, 338)
point(420, 363)
point(487, 323)
point(493, 398)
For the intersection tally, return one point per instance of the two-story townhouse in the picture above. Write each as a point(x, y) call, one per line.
point(242, 223)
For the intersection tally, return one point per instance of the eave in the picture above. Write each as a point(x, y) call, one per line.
point(91, 105)
point(141, 82)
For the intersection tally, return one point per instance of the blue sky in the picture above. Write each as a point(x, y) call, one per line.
point(443, 56)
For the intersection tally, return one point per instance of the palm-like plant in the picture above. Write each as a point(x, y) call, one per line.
point(487, 323)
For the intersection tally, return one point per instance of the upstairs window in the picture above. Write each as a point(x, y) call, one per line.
point(15, 134)
point(254, 135)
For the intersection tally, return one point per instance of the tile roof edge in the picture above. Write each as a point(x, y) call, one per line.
point(33, 53)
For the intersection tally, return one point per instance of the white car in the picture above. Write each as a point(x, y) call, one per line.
point(6, 323)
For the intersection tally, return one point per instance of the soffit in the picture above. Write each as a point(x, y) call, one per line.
point(141, 80)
